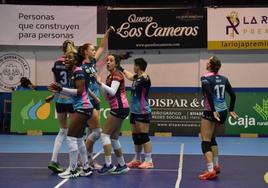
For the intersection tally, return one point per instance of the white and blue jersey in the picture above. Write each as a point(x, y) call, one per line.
point(89, 69)
point(139, 95)
point(61, 76)
point(83, 101)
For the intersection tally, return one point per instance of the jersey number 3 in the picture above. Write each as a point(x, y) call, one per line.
point(63, 79)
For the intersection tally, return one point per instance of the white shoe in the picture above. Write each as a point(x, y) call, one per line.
point(68, 173)
point(85, 172)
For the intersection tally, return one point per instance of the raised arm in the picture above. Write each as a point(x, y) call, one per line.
point(103, 43)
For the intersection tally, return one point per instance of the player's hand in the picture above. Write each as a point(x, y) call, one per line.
point(111, 29)
point(233, 115)
point(121, 69)
point(49, 98)
point(217, 116)
point(55, 87)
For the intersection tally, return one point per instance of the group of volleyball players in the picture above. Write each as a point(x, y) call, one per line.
point(76, 93)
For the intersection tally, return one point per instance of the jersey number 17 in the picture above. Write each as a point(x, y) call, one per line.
point(220, 90)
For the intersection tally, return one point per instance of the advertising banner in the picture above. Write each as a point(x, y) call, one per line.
point(47, 25)
point(237, 28)
point(252, 109)
point(157, 28)
point(13, 66)
point(31, 112)
point(178, 113)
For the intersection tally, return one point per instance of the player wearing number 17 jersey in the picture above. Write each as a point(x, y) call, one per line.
point(63, 104)
point(214, 87)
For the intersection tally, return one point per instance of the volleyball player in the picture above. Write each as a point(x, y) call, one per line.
point(214, 87)
point(63, 104)
point(89, 66)
point(140, 114)
point(83, 110)
point(115, 92)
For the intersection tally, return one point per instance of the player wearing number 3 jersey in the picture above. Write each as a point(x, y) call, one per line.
point(214, 87)
point(63, 104)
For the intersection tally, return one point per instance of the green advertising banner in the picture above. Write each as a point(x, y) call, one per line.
point(179, 113)
point(252, 109)
point(31, 112)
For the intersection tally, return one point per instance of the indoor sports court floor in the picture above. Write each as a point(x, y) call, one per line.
point(178, 161)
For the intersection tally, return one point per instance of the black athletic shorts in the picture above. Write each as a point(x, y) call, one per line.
point(144, 118)
point(87, 112)
point(61, 108)
point(121, 113)
point(208, 115)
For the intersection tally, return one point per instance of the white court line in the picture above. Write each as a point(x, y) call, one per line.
point(65, 180)
point(178, 182)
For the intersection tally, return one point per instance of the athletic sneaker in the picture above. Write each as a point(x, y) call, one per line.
point(146, 165)
point(85, 172)
point(105, 170)
point(217, 169)
point(134, 164)
point(208, 175)
point(121, 169)
point(69, 174)
point(55, 167)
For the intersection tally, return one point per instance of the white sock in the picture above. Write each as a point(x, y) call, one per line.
point(137, 156)
point(108, 160)
point(83, 152)
point(62, 134)
point(121, 160)
point(73, 152)
point(210, 167)
point(216, 161)
point(148, 157)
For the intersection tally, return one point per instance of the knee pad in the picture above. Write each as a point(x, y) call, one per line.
point(140, 138)
point(116, 144)
point(144, 138)
point(72, 143)
point(213, 141)
point(206, 146)
point(94, 135)
point(135, 138)
point(105, 139)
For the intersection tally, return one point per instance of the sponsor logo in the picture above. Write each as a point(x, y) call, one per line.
point(12, 68)
point(35, 111)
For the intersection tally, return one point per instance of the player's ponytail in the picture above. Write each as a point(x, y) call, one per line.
point(68, 46)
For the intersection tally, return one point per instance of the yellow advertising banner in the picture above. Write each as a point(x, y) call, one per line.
point(237, 28)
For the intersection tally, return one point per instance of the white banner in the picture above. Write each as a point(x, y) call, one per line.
point(237, 28)
point(47, 25)
point(13, 66)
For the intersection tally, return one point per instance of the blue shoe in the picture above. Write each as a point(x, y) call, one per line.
point(105, 170)
point(121, 169)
